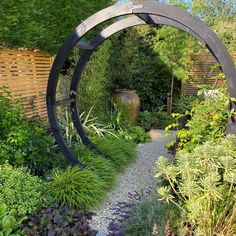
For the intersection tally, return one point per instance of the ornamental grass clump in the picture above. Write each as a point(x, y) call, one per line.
point(119, 152)
point(202, 184)
point(102, 167)
point(75, 187)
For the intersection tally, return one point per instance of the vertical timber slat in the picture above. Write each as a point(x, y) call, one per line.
point(202, 73)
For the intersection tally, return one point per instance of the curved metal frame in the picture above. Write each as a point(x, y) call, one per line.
point(144, 13)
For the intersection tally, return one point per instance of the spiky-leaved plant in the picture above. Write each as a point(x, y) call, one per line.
point(76, 187)
point(119, 152)
point(101, 166)
point(203, 185)
point(91, 125)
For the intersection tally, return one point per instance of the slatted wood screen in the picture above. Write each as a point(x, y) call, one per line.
point(26, 73)
point(204, 72)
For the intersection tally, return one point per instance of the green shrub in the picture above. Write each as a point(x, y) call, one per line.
point(134, 63)
point(202, 185)
point(119, 152)
point(23, 142)
point(35, 23)
point(155, 120)
point(208, 122)
point(146, 120)
point(146, 214)
point(20, 190)
point(133, 133)
point(10, 112)
point(94, 86)
point(183, 104)
point(76, 187)
point(125, 130)
point(9, 224)
point(162, 119)
point(86, 188)
point(29, 145)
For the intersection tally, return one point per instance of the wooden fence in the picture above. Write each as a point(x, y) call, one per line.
point(205, 72)
point(26, 73)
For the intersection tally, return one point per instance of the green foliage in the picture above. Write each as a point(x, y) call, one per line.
point(204, 183)
point(102, 167)
point(155, 120)
point(44, 24)
point(125, 130)
point(94, 86)
point(176, 55)
point(10, 111)
point(20, 190)
point(126, 61)
point(162, 119)
point(226, 29)
point(134, 64)
point(86, 188)
point(146, 120)
point(76, 187)
point(23, 142)
point(119, 152)
point(183, 104)
point(92, 126)
point(9, 224)
point(133, 133)
point(214, 11)
point(208, 122)
point(148, 213)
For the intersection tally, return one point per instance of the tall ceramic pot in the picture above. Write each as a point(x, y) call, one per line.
point(128, 102)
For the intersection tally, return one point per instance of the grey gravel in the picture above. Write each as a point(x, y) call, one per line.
point(138, 177)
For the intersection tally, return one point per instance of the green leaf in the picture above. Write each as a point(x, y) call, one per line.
point(3, 209)
point(8, 222)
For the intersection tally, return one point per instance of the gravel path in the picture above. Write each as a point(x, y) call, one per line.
point(137, 178)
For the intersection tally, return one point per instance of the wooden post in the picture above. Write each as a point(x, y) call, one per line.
point(169, 103)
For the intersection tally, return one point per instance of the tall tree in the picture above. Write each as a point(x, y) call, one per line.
point(213, 10)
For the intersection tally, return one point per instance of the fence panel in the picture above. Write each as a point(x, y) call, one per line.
point(26, 73)
point(204, 71)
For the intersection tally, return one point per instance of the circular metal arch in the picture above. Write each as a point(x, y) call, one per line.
point(144, 13)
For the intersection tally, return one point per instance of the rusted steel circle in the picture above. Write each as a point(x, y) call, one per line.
point(143, 13)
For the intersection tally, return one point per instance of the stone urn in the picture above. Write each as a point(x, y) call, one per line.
point(128, 102)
